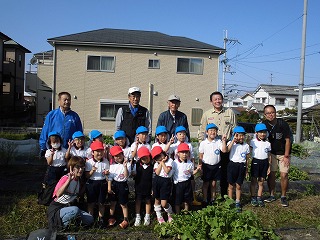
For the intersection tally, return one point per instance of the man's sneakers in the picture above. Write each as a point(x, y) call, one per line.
point(270, 199)
point(260, 203)
point(284, 202)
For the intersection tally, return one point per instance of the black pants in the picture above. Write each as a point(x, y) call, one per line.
point(224, 167)
point(223, 178)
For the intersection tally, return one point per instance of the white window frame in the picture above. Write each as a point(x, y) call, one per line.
point(154, 66)
point(190, 60)
point(101, 70)
point(119, 103)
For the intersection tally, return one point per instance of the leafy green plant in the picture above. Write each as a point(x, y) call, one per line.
point(310, 190)
point(295, 174)
point(221, 221)
point(299, 151)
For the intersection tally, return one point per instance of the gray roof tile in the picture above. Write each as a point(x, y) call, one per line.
point(134, 38)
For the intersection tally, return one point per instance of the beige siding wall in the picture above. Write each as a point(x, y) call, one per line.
point(45, 73)
point(132, 70)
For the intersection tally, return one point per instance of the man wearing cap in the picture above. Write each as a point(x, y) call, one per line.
point(172, 117)
point(129, 118)
point(225, 119)
point(63, 120)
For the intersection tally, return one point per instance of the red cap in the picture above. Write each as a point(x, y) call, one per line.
point(115, 150)
point(143, 151)
point(183, 147)
point(156, 151)
point(96, 145)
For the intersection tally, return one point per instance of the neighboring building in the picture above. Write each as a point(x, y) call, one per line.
point(41, 84)
point(280, 96)
point(247, 100)
point(98, 67)
point(12, 72)
point(234, 102)
point(311, 96)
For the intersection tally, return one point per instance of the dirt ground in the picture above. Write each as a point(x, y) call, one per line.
point(28, 178)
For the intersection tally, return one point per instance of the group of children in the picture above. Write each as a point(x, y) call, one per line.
point(162, 173)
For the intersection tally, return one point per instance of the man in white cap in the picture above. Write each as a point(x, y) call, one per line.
point(131, 117)
point(172, 117)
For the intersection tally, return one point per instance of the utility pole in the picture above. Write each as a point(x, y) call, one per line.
point(226, 67)
point(302, 63)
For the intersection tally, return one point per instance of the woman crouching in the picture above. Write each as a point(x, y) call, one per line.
point(61, 212)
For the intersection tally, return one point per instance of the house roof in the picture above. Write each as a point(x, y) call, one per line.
point(278, 89)
point(258, 106)
point(4, 37)
point(12, 43)
point(135, 39)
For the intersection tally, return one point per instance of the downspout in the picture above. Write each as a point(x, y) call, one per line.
point(54, 78)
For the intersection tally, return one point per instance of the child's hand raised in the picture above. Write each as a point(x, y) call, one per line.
point(164, 159)
point(224, 137)
point(172, 139)
point(70, 143)
point(71, 174)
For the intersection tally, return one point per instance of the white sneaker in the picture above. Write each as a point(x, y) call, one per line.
point(147, 221)
point(137, 222)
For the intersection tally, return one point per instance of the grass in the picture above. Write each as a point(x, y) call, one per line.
point(20, 214)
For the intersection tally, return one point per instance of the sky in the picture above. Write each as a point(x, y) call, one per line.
point(265, 35)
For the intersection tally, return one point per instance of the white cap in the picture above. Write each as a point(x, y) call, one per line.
point(173, 97)
point(134, 89)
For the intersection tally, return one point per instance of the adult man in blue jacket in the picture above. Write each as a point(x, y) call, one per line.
point(63, 120)
point(172, 117)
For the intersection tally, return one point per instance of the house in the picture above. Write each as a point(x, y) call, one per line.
point(98, 67)
point(281, 96)
point(247, 100)
point(310, 96)
point(41, 84)
point(12, 72)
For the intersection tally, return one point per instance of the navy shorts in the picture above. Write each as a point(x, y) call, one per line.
point(121, 192)
point(183, 192)
point(259, 168)
point(211, 172)
point(162, 188)
point(236, 172)
point(97, 191)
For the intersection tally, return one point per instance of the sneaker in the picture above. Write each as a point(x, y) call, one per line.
point(196, 203)
point(270, 199)
point(100, 223)
point(254, 202)
point(146, 221)
point(238, 207)
point(111, 222)
point(284, 202)
point(137, 222)
point(170, 219)
point(161, 220)
point(124, 224)
point(260, 203)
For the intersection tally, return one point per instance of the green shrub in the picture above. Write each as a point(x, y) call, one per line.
point(299, 151)
point(19, 136)
point(221, 221)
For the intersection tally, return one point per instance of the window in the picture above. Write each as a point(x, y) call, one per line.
point(307, 98)
point(154, 63)
point(196, 115)
point(280, 101)
point(109, 108)
point(100, 63)
point(190, 65)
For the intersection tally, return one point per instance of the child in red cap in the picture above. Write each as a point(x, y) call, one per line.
point(97, 167)
point(162, 183)
point(117, 185)
point(183, 169)
point(143, 184)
